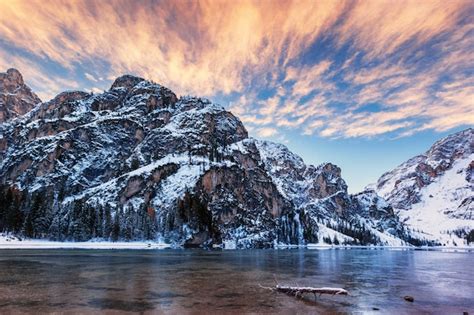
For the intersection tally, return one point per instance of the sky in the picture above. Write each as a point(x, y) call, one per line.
point(362, 84)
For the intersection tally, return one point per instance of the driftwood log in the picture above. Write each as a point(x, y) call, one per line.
point(298, 291)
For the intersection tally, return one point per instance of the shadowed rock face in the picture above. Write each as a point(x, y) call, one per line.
point(136, 162)
point(15, 97)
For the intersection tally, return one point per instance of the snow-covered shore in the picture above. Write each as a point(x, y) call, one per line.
point(437, 248)
point(9, 242)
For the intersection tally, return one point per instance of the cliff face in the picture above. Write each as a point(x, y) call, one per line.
point(433, 192)
point(15, 97)
point(137, 162)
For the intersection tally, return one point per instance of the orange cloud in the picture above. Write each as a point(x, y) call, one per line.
point(382, 27)
point(194, 47)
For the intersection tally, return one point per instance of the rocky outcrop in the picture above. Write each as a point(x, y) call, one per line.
point(138, 162)
point(16, 98)
point(324, 210)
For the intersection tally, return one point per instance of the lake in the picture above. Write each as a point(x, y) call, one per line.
point(199, 281)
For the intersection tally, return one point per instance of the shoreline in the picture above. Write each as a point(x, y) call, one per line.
point(13, 243)
point(82, 245)
point(379, 247)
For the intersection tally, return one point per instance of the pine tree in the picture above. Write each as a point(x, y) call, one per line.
point(107, 225)
point(189, 154)
point(327, 240)
point(4, 205)
point(58, 229)
point(30, 228)
point(135, 164)
point(11, 216)
point(470, 237)
point(99, 223)
point(43, 218)
point(91, 222)
point(211, 152)
point(15, 215)
point(128, 218)
point(115, 233)
point(83, 221)
point(62, 191)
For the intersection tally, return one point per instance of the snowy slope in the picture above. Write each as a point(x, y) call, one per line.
point(433, 193)
point(439, 213)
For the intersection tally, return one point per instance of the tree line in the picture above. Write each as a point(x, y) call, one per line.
point(42, 215)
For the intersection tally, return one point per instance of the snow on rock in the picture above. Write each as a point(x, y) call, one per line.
point(136, 162)
point(432, 193)
point(326, 212)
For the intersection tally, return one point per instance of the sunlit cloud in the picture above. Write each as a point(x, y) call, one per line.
point(36, 76)
point(194, 47)
point(266, 132)
point(321, 68)
point(90, 77)
point(383, 27)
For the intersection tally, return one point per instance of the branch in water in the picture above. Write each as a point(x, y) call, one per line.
point(301, 290)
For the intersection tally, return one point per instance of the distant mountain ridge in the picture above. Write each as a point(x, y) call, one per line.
point(137, 162)
point(434, 192)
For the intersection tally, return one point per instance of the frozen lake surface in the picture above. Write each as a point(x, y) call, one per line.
point(198, 281)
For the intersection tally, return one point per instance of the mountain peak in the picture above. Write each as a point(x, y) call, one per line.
point(13, 76)
point(16, 98)
point(126, 81)
point(457, 143)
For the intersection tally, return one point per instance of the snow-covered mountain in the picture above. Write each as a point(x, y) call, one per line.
point(433, 193)
point(137, 162)
point(15, 97)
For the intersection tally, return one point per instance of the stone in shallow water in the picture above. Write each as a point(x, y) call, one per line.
point(409, 298)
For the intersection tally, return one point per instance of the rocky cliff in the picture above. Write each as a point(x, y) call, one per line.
point(15, 97)
point(433, 193)
point(137, 162)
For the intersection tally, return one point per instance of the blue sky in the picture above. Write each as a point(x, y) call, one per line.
point(364, 85)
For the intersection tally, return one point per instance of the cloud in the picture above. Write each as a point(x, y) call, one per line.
point(326, 68)
point(308, 79)
point(266, 132)
point(96, 90)
point(195, 47)
point(407, 92)
point(382, 27)
point(36, 76)
point(90, 77)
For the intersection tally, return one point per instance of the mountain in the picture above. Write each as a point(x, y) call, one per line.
point(15, 97)
point(137, 162)
point(433, 193)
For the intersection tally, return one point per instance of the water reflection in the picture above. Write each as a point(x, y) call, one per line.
point(184, 281)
